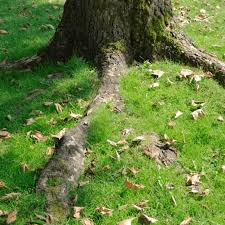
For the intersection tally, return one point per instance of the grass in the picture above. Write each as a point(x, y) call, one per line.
point(203, 151)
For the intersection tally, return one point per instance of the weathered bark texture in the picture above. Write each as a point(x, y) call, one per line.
point(179, 47)
point(111, 34)
point(63, 170)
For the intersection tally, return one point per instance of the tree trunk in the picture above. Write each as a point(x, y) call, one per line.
point(111, 34)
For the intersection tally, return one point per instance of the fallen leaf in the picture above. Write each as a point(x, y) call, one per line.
point(2, 184)
point(47, 27)
point(133, 186)
point(24, 167)
point(196, 78)
point(104, 211)
point(205, 192)
point(11, 217)
point(133, 170)
point(50, 151)
point(75, 116)
point(138, 140)
point(122, 142)
point(144, 219)
point(157, 73)
point(4, 134)
point(47, 103)
point(36, 112)
point(223, 168)
point(77, 211)
point(197, 114)
point(154, 85)
point(86, 221)
point(126, 222)
point(10, 196)
point(186, 221)
point(30, 121)
point(122, 207)
point(4, 213)
point(58, 107)
point(4, 32)
point(138, 208)
point(197, 104)
point(37, 135)
point(60, 135)
point(193, 179)
point(52, 122)
point(178, 114)
point(184, 73)
point(127, 131)
point(113, 143)
point(220, 118)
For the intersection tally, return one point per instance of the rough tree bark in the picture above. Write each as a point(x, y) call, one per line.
point(111, 34)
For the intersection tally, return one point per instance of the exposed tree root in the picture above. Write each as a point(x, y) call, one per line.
point(180, 48)
point(65, 167)
point(27, 63)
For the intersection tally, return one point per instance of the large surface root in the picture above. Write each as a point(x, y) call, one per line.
point(180, 48)
point(63, 170)
point(27, 63)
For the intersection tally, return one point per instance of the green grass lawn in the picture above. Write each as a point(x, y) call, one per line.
point(200, 143)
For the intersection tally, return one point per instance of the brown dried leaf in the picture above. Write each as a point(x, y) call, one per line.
point(77, 211)
point(3, 32)
point(193, 179)
point(2, 184)
point(104, 211)
point(4, 213)
point(30, 121)
point(24, 167)
point(126, 222)
point(220, 118)
point(4, 134)
point(197, 114)
point(127, 131)
point(133, 186)
point(157, 73)
point(58, 107)
point(223, 168)
point(138, 140)
point(154, 85)
point(122, 142)
point(133, 170)
point(186, 221)
point(36, 112)
point(47, 103)
point(60, 135)
point(52, 122)
point(113, 143)
point(75, 116)
point(122, 207)
point(10, 196)
point(37, 135)
point(178, 114)
point(86, 221)
point(184, 73)
point(11, 217)
point(144, 219)
point(50, 151)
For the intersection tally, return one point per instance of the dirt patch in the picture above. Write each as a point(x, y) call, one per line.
point(155, 149)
